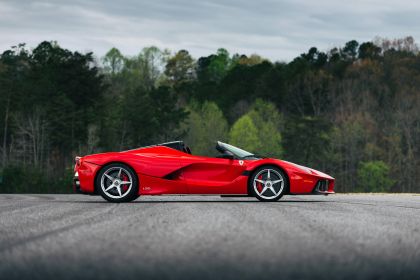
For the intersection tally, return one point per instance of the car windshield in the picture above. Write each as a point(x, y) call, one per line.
point(235, 150)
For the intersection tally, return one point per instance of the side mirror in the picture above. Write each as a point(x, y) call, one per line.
point(228, 156)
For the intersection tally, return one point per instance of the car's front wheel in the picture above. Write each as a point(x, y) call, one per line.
point(117, 183)
point(268, 183)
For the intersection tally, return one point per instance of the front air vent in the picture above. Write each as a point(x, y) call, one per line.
point(322, 186)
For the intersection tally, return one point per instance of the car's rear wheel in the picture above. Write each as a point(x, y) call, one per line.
point(117, 183)
point(268, 183)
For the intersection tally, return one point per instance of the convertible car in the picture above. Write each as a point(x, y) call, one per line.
point(170, 168)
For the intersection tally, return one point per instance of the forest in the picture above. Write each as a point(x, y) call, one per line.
point(352, 111)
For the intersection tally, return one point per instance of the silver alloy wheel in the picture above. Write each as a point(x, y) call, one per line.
point(113, 180)
point(271, 182)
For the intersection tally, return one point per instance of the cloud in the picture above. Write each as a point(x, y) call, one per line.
point(277, 29)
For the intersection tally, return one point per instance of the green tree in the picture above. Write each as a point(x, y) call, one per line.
point(350, 50)
point(315, 58)
point(347, 141)
point(246, 83)
point(67, 87)
point(51, 94)
point(369, 50)
point(13, 74)
point(206, 124)
point(350, 105)
point(268, 122)
point(180, 68)
point(113, 61)
point(306, 140)
point(214, 68)
point(373, 176)
point(146, 69)
point(244, 134)
point(181, 74)
point(150, 116)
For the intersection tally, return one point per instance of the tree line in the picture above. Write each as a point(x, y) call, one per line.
point(352, 111)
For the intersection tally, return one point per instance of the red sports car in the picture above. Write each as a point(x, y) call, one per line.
point(170, 168)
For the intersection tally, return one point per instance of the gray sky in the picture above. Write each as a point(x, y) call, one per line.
point(276, 29)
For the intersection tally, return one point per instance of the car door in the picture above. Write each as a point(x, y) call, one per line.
point(205, 175)
point(159, 169)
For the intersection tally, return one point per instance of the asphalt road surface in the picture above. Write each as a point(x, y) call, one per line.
point(208, 237)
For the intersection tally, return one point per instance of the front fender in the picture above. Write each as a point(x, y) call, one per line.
point(302, 180)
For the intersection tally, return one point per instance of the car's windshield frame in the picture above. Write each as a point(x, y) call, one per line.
point(238, 152)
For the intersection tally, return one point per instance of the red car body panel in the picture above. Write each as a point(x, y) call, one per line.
point(164, 170)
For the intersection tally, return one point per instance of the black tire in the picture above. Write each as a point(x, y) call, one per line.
point(276, 189)
point(108, 188)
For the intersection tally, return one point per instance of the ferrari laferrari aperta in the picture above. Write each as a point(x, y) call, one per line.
point(171, 168)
